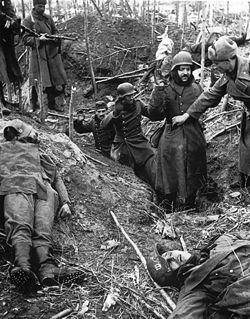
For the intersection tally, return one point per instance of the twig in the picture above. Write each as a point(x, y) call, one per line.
point(63, 313)
point(121, 75)
point(158, 303)
point(127, 49)
point(221, 113)
point(22, 55)
point(224, 130)
point(97, 8)
point(143, 260)
point(95, 160)
point(58, 115)
point(152, 309)
point(88, 48)
point(73, 90)
point(183, 244)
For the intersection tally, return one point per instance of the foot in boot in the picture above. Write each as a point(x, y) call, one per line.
point(51, 275)
point(167, 206)
point(23, 279)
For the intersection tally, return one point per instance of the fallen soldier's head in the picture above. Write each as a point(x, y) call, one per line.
point(171, 268)
point(18, 130)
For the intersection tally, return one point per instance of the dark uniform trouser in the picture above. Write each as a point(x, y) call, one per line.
point(28, 219)
point(147, 172)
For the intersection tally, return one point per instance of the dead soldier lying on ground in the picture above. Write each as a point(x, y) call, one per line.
point(32, 192)
point(213, 284)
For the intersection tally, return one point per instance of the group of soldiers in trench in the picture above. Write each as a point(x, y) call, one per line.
point(174, 163)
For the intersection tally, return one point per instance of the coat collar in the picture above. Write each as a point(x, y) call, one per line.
point(243, 70)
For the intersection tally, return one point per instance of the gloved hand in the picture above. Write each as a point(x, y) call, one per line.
point(118, 108)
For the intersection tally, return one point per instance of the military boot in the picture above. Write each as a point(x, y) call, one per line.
point(21, 274)
point(50, 274)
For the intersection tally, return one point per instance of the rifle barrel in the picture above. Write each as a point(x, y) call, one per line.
point(49, 36)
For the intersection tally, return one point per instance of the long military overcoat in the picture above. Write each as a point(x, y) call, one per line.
point(9, 68)
point(130, 146)
point(181, 154)
point(52, 68)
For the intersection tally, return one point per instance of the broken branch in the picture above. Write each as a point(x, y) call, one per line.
point(224, 130)
point(221, 113)
point(143, 260)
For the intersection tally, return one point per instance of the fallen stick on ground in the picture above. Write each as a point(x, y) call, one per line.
point(223, 131)
point(143, 260)
point(152, 309)
point(122, 75)
point(183, 244)
point(221, 113)
point(95, 160)
point(62, 314)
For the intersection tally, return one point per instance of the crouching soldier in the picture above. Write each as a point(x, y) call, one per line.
point(213, 284)
point(32, 190)
point(103, 137)
point(130, 146)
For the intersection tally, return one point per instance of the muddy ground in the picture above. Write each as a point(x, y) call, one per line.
point(90, 241)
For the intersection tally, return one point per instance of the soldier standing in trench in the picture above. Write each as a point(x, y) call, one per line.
point(45, 53)
point(181, 154)
point(195, 50)
point(130, 147)
point(9, 68)
point(103, 137)
point(234, 81)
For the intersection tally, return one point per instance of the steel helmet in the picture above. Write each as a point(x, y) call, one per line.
point(182, 58)
point(125, 89)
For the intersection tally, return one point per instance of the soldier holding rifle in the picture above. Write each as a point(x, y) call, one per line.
point(9, 69)
point(47, 72)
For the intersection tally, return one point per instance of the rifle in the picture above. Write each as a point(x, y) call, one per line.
point(48, 36)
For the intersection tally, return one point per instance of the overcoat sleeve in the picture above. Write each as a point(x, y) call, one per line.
point(81, 127)
point(209, 98)
point(28, 39)
point(60, 187)
point(156, 108)
point(108, 121)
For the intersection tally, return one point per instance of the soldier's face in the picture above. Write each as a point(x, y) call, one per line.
point(184, 72)
point(225, 66)
point(128, 99)
point(39, 8)
point(176, 258)
point(101, 113)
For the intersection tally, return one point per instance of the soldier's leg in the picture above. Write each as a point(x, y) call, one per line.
point(19, 217)
point(49, 273)
point(147, 172)
point(52, 95)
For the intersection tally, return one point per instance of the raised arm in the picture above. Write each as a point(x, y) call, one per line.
point(83, 127)
point(156, 108)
